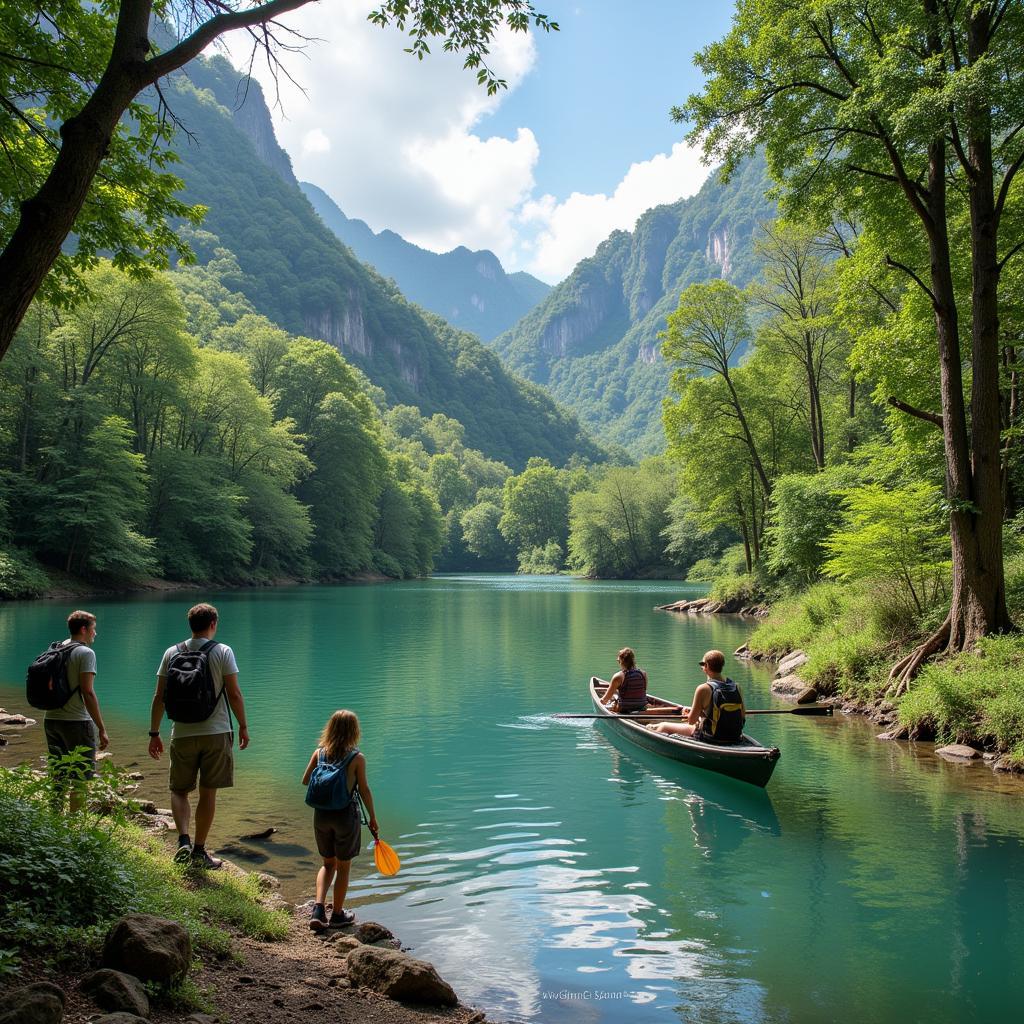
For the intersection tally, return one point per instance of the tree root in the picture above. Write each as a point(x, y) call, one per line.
point(906, 669)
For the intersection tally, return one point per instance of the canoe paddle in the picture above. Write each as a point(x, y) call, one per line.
point(384, 857)
point(800, 709)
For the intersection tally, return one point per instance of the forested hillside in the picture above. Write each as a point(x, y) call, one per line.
point(594, 342)
point(297, 273)
point(469, 289)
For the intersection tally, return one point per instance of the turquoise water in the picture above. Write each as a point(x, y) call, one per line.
point(554, 873)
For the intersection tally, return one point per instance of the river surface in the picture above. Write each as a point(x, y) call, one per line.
point(556, 874)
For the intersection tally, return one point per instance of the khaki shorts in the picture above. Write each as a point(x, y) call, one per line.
point(208, 757)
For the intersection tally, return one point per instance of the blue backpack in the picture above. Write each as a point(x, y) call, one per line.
point(328, 785)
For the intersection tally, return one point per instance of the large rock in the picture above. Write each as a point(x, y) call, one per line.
point(958, 752)
point(151, 948)
point(399, 976)
point(114, 990)
point(788, 686)
point(38, 1003)
point(809, 695)
point(790, 663)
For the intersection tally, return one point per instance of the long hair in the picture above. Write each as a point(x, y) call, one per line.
point(628, 657)
point(340, 735)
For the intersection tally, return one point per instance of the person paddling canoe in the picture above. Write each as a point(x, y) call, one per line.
point(717, 714)
point(627, 692)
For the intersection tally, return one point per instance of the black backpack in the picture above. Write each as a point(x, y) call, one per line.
point(189, 691)
point(46, 681)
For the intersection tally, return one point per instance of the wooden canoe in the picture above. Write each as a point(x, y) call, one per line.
point(747, 760)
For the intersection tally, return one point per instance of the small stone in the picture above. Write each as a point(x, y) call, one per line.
point(116, 991)
point(103, 755)
point(148, 807)
point(807, 696)
point(958, 752)
point(743, 651)
point(369, 932)
point(38, 1003)
point(344, 944)
point(136, 776)
point(989, 756)
point(886, 735)
point(266, 881)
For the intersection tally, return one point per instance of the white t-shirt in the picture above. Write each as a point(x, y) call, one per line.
point(222, 663)
point(81, 659)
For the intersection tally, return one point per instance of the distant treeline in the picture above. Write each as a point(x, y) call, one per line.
point(163, 428)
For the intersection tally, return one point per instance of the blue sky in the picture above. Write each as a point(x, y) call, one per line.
point(579, 145)
point(599, 95)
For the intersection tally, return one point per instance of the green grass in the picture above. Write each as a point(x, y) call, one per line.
point(851, 633)
point(973, 697)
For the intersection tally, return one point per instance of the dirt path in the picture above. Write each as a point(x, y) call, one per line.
point(302, 978)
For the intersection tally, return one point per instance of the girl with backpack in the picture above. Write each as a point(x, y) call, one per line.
point(336, 781)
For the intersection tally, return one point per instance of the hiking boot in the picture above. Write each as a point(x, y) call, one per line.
point(341, 919)
point(183, 854)
point(201, 859)
point(318, 919)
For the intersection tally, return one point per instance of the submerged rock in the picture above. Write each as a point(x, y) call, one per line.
point(399, 976)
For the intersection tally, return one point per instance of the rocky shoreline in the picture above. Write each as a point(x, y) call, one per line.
point(709, 606)
point(787, 684)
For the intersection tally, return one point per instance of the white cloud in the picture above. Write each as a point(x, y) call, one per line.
point(571, 230)
point(392, 139)
point(396, 142)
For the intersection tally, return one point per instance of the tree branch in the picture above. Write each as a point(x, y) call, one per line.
point(895, 265)
point(193, 45)
point(929, 417)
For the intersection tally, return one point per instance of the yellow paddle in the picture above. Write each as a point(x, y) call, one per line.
point(384, 857)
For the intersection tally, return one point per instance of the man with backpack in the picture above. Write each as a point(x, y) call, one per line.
point(197, 685)
point(61, 680)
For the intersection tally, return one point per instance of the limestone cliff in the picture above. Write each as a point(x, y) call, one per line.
point(593, 342)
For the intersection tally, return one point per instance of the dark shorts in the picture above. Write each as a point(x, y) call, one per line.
point(338, 833)
point(208, 758)
point(63, 737)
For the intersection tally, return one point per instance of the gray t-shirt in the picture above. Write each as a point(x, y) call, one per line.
point(222, 663)
point(81, 659)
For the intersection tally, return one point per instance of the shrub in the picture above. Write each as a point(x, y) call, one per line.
point(65, 877)
point(21, 576)
point(739, 587)
point(545, 560)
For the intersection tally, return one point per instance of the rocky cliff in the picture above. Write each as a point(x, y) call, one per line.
point(469, 289)
point(593, 342)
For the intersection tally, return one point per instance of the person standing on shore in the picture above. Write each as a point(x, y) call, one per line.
point(197, 685)
point(336, 781)
point(78, 724)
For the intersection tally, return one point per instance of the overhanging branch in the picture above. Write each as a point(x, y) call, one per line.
point(922, 414)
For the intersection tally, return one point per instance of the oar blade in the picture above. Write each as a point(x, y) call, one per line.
point(813, 709)
point(385, 858)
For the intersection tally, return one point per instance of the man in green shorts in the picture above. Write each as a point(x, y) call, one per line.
point(200, 750)
point(78, 723)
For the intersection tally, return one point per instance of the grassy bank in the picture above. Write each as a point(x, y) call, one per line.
point(65, 877)
point(853, 633)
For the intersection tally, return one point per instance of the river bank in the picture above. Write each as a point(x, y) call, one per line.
point(130, 932)
point(838, 642)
